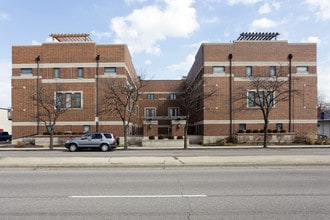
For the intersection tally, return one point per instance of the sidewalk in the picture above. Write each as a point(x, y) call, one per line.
point(165, 161)
point(162, 162)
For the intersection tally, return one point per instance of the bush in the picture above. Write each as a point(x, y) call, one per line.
point(255, 131)
point(269, 130)
point(241, 131)
point(248, 131)
point(161, 137)
point(151, 137)
point(170, 137)
point(283, 131)
point(275, 131)
point(179, 137)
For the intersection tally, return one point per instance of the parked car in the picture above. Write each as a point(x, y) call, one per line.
point(5, 137)
point(100, 140)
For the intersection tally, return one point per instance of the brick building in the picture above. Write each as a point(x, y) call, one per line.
point(71, 64)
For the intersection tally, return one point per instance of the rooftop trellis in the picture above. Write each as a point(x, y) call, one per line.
point(258, 36)
point(71, 37)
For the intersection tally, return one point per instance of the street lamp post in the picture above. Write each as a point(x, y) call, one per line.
point(37, 59)
point(290, 90)
point(97, 58)
point(230, 57)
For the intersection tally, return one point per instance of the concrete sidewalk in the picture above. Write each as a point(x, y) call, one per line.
point(165, 161)
point(162, 162)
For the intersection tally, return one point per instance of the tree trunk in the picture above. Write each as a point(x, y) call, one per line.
point(265, 133)
point(51, 138)
point(125, 136)
point(185, 140)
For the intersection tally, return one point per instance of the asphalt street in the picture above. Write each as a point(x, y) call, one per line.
point(195, 193)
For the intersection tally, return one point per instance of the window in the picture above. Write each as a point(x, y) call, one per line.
point(261, 98)
point(80, 72)
point(150, 112)
point(173, 96)
point(279, 126)
point(58, 100)
point(77, 100)
point(67, 100)
point(87, 128)
point(26, 70)
point(302, 69)
point(218, 69)
point(272, 71)
point(56, 73)
point(242, 127)
point(72, 100)
point(150, 96)
point(110, 70)
point(97, 136)
point(173, 111)
point(248, 71)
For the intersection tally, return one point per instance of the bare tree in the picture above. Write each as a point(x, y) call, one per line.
point(50, 104)
point(194, 94)
point(264, 93)
point(120, 99)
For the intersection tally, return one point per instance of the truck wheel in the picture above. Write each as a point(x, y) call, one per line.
point(104, 147)
point(73, 147)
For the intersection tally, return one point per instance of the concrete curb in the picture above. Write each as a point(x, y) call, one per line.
point(162, 162)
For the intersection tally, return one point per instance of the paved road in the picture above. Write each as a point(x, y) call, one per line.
point(172, 152)
point(246, 193)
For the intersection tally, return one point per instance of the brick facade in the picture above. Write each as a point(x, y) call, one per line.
point(213, 120)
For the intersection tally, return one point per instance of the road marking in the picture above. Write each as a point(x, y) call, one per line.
point(140, 196)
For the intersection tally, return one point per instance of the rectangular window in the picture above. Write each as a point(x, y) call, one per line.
point(110, 70)
point(279, 126)
point(80, 72)
point(72, 100)
point(218, 69)
point(26, 71)
point(261, 98)
point(77, 100)
point(59, 100)
point(302, 69)
point(87, 128)
point(242, 127)
point(150, 96)
point(248, 71)
point(251, 99)
point(173, 111)
point(173, 96)
point(150, 112)
point(67, 100)
point(272, 71)
point(56, 73)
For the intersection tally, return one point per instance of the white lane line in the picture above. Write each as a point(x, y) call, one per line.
point(140, 196)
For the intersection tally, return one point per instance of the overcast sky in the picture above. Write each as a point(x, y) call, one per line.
point(163, 35)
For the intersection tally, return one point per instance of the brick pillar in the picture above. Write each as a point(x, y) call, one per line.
point(178, 127)
point(150, 128)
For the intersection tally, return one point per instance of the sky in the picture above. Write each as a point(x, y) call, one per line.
point(163, 36)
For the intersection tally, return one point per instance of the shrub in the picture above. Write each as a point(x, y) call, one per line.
point(179, 137)
point(171, 137)
point(241, 131)
point(269, 130)
point(161, 137)
point(151, 137)
point(248, 131)
point(275, 131)
point(255, 131)
point(283, 131)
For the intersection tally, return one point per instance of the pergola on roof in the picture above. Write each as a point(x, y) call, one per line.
point(71, 37)
point(257, 36)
